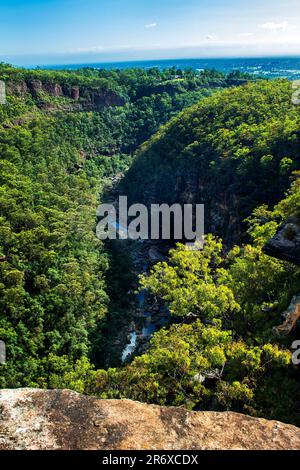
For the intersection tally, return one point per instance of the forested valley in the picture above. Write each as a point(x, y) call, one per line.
point(68, 140)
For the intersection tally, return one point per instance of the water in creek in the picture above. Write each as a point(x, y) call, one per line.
point(130, 347)
point(148, 329)
point(151, 325)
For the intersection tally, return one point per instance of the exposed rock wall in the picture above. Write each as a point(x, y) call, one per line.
point(84, 98)
point(61, 419)
point(186, 182)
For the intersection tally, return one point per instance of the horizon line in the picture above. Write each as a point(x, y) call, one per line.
point(170, 59)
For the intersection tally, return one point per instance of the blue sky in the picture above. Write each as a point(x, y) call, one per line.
point(73, 31)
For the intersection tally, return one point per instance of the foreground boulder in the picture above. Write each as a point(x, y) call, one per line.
point(61, 419)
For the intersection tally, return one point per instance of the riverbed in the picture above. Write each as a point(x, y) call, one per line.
point(146, 322)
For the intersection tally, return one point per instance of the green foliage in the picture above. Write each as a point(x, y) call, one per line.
point(236, 148)
point(53, 292)
point(190, 283)
point(54, 295)
point(199, 366)
point(224, 355)
point(61, 292)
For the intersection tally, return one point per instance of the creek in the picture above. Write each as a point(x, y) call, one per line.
point(146, 319)
point(146, 322)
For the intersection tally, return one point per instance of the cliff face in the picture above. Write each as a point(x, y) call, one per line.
point(61, 419)
point(82, 98)
point(153, 179)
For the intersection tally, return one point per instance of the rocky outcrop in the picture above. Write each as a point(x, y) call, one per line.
point(61, 419)
point(100, 99)
point(82, 98)
point(53, 89)
point(291, 316)
point(35, 87)
point(285, 245)
point(17, 88)
point(75, 93)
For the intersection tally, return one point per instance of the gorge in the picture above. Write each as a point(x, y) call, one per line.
point(199, 323)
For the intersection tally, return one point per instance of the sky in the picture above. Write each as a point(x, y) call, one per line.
point(39, 32)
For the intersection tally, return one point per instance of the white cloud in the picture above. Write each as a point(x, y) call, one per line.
point(272, 26)
point(151, 25)
point(245, 35)
point(104, 48)
point(90, 49)
point(211, 37)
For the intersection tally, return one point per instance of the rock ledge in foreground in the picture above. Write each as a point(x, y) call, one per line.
point(61, 419)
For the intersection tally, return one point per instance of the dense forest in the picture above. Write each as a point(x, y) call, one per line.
point(177, 136)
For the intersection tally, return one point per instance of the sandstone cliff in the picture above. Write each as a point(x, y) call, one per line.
point(80, 98)
point(61, 419)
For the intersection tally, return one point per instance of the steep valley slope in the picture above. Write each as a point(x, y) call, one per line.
point(232, 152)
point(64, 137)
